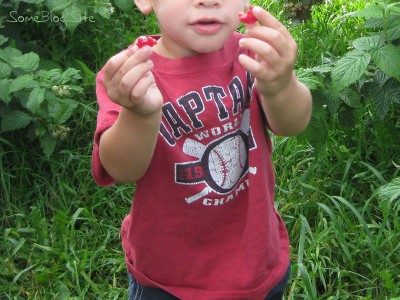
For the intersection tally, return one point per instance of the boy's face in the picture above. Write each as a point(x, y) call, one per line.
point(189, 27)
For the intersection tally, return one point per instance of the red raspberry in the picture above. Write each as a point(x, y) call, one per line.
point(247, 17)
point(144, 40)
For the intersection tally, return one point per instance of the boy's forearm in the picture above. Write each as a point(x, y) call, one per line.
point(289, 112)
point(127, 147)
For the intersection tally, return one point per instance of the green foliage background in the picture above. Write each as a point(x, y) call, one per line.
point(338, 186)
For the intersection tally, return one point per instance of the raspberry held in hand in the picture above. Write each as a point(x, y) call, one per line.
point(247, 17)
point(144, 40)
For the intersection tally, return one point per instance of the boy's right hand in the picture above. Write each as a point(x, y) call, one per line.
point(129, 82)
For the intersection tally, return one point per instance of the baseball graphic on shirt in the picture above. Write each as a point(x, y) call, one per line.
point(221, 164)
point(227, 160)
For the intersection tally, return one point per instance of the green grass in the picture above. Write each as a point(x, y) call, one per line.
point(61, 233)
point(344, 235)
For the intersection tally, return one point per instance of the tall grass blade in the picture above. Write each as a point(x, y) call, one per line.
point(302, 239)
point(23, 272)
point(338, 230)
point(377, 174)
point(357, 214)
point(311, 289)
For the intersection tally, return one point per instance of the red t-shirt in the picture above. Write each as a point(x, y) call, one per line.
point(203, 223)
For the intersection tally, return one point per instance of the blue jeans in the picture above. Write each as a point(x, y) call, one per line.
point(140, 292)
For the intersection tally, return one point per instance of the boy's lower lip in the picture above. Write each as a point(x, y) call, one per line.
point(207, 28)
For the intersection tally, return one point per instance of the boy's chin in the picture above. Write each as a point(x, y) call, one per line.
point(207, 47)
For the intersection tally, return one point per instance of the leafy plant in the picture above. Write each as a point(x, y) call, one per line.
point(34, 98)
point(366, 78)
point(375, 60)
point(75, 12)
point(41, 91)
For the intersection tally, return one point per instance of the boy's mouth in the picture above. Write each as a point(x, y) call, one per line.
point(207, 26)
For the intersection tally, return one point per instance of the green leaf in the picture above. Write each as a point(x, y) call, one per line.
point(48, 144)
point(309, 79)
point(390, 192)
point(5, 91)
point(368, 43)
point(392, 33)
point(103, 11)
point(370, 11)
point(380, 77)
point(62, 111)
point(5, 70)
point(392, 90)
point(14, 120)
point(374, 23)
point(125, 5)
point(350, 68)
point(389, 22)
point(386, 95)
point(23, 82)
point(7, 53)
point(51, 77)
point(3, 39)
point(350, 97)
point(72, 15)
point(387, 58)
point(326, 68)
point(57, 5)
point(68, 75)
point(62, 291)
point(36, 97)
point(333, 102)
point(381, 102)
point(392, 6)
point(27, 62)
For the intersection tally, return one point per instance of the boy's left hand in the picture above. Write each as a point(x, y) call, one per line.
point(275, 53)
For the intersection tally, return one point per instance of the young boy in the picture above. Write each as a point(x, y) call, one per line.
point(186, 121)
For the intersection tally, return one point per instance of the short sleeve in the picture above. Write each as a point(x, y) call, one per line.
point(106, 117)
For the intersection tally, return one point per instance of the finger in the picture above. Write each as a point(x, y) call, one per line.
point(133, 56)
point(146, 96)
point(134, 75)
point(140, 56)
point(249, 26)
point(115, 62)
point(254, 67)
point(268, 20)
point(141, 87)
point(264, 51)
point(285, 47)
point(119, 89)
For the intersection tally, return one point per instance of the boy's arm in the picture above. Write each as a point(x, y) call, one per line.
point(127, 147)
point(286, 102)
point(289, 112)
